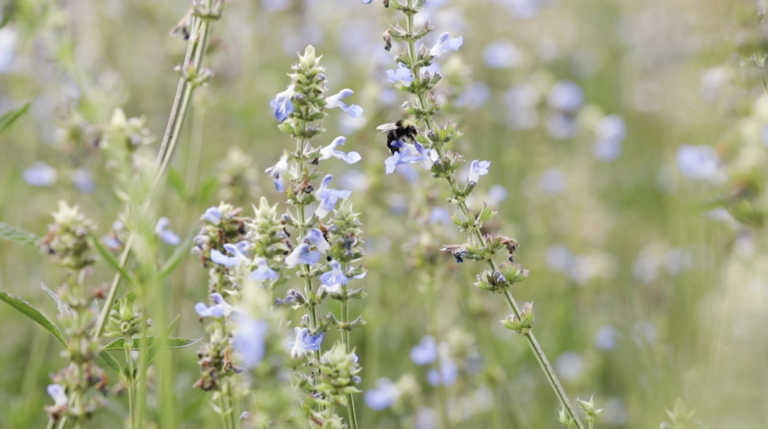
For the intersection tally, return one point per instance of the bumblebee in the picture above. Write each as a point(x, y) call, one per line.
point(400, 130)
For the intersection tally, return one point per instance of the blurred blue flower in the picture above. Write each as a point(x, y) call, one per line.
point(388, 96)
point(302, 255)
point(330, 151)
point(334, 278)
point(249, 341)
point(165, 234)
point(558, 258)
point(275, 5)
point(409, 154)
point(496, 195)
point(477, 169)
point(561, 126)
point(409, 172)
point(262, 271)
point(502, 55)
point(610, 131)
point(355, 180)
point(552, 181)
point(112, 243)
point(305, 342)
point(82, 180)
point(382, 396)
point(334, 101)
point(447, 374)
point(40, 174)
point(315, 238)
point(765, 134)
point(605, 337)
point(426, 418)
point(474, 96)
point(607, 150)
point(402, 74)
point(569, 365)
point(566, 96)
point(439, 215)
point(212, 215)
point(698, 162)
point(425, 352)
point(59, 394)
point(8, 39)
point(282, 104)
point(445, 43)
point(218, 309)
point(430, 70)
point(237, 252)
point(277, 171)
point(328, 197)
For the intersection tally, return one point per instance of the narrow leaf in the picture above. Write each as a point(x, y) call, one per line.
point(109, 361)
point(156, 345)
point(172, 343)
point(110, 258)
point(33, 313)
point(57, 302)
point(9, 117)
point(181, 252)
point(17, 235)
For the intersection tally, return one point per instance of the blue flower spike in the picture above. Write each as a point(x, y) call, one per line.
point(302, 255)
point(328, 197)
point(282, 104)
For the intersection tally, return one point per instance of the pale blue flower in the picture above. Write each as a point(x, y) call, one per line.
point(165, 234)
point(474, 96)
point(402, 74)
point(59, 394)
point(334, 101)
point(220, 307)
point(302, 255)
point(334, 278)
point(558, 258)
point(40, 174)
point(328, 197)
point(237, 251)
point(605, 337)
point(262, 271)
point(698, 162)
point(82, 180)
point(553, 181)
point(607, 150)
point(305, 342)
point(569, 365)
point(249, 341)
point(477, 169)
point(212, 215)
point(561, 126)
point(425, 352)
point(282, 104)
point(445, 43)
point(447, 374)
point(497, 194)
point(566, 96)
point(610, 131)
point(383, 396)
point(8, 38)
point(366, 1)
point(277, 172)
point(439, 215)
point(410, 154)
point(275, 5)
point(330, 151)
point(355, 180)
point(315, 238)
point(112, 243)
point(502, 55)
point(409, 172)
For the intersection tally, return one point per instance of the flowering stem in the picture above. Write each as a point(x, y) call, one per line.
point(477, 236)
point(345, 341)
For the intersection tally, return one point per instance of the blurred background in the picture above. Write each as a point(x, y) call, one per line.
point(611, 126)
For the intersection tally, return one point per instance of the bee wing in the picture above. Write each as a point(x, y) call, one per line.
point(386, 128)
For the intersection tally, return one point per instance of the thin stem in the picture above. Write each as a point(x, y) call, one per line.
point(223, 407)
point(345, 341)
point(130, 382)
point(442, 402)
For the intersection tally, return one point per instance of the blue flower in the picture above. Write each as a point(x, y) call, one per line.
point(249, 341)
point(328, 197)
point(496, 194)
point(698, 162)
point(333, 279)
point(82, 180)
point(334, 101)
point(315, 238)
point(366, 1)
point(40, 174)
point(445, 43)
point(402, 74)
point(474, 96)
point(383, 395)
point(565, 95)
point(439, 215)
point(237, 252)
point(477, 169)
point(425, 352)
point(610, 131)
point(112, 243)
point(282, 104)
point(8, 38)
point(302, 255)
point(502, 55)
point(58, 394)
point(409, 154)
point(605, 337)
point(212, 215)
point(277, 171)
point(447, 374)
point(330, 151)
point(553, 181)
point(305, 342)
point(262, 271)
point(219, 309)
point(561, 126)
point(165, 234)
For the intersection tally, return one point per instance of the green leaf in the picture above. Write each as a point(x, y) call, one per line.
point(57, 302)
point(9, 117)
point(17, 235)
point(109, 361)
point(181, 252)
point(110, 258)
point(205, 190)
point(172, 343)
point(176, 181)
point(33, 313)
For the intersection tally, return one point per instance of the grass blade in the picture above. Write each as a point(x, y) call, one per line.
point(33, 313)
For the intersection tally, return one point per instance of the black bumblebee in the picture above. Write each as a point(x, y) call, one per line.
point(400, 130)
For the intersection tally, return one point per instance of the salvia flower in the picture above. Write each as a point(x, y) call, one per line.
point(212, 215)
point(446, 375)
point(334, 101)
point(282, 104)
point(698, 162)
point(334, 278)
point(249, 341)
point(329, 197)
point(40, 174)
point(219, 309)
point(409, 154)
point(58, 394)
point(302, 255)
point(402, 74)
point(82, 180)
point(315, 238)
point(425, 352)
point(477, 169)
point(165, 234)
point(305, 342)
point(236, 250)
point(383, 396)
point(262, 271)
point(330, 151)
point(277, 171)
point(566, 96)
point(445, 43)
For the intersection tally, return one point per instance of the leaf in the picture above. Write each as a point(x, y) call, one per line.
point(176, 181)
point(110, 258)
point(205, 191)
point(176, 258)
point(33, 313)
point(57, 302)
point(156, 347)
point(17, 235)
point(9, 117)
point(112, 363)
point(172, 343)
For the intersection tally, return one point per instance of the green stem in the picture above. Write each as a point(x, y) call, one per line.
point(130, 381)
point(345, 341)
point(532, 342)
point(223, 407)
point(442, 402)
